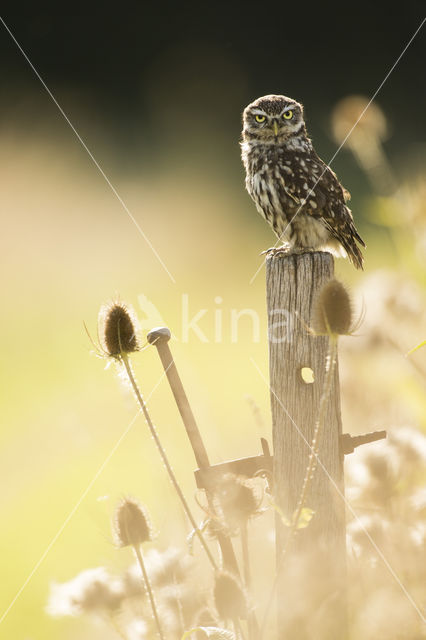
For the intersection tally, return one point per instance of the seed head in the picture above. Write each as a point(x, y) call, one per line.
point(360, 117)
point(118, 329)
point(238, 499)
point(131, 525)
point(92, 590)
point(229, 597)
point(332, 310)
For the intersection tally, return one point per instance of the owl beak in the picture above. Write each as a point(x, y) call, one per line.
point(275, 128)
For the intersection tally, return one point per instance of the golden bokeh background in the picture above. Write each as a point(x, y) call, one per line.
point(68, 245)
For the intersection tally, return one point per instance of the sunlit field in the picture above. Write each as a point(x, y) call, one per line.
point(73, 443)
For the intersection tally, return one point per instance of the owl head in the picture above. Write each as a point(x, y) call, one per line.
point(272, 119)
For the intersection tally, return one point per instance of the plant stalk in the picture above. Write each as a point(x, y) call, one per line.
point(139, 556)
point(126, 362)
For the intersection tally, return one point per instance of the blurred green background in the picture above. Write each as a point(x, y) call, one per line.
point(156, 93)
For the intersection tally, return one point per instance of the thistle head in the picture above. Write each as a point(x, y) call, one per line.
point(229, 597)
point(356, 119)
point(238, 498)
point(118, 329)
point(332, 312)
point(131, 525)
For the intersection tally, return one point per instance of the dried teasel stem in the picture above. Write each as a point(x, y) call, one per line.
point(252, 624)
point(126, 363)
point(245, 552)
point(141, 563)
point(132, 527)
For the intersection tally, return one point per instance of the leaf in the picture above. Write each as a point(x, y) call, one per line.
point(422, 344)
point(305, 517)
point(286, 522)
point(215, 633)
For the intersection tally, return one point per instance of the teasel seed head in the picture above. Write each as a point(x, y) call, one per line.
point(131, 525)
point(361, 118)
point(238, 499)
point(118, 327)
point(332, 310)
point(229, 597)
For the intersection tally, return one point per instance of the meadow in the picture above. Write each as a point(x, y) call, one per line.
point(72, 441)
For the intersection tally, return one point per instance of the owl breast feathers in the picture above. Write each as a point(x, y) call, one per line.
point(293, 189)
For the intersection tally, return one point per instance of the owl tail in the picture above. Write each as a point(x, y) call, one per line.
point(349, 242)
point(356, 257)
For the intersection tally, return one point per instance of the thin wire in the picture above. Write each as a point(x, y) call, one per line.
point(342, 495)
point(77, 504)
point(345, 139)
point(90, 154)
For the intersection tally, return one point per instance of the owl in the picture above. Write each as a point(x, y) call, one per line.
point(293, 189)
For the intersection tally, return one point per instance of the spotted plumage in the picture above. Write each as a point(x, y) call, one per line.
point(293, 189)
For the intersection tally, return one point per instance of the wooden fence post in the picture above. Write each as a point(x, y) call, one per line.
point(311, 587)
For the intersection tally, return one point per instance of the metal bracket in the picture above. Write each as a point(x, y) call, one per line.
point(209, 477)
point(348, 443)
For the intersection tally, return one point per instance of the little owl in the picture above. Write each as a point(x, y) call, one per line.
point(293, 189)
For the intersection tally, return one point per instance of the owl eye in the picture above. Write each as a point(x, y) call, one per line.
point(287, 115)
point(259, 118)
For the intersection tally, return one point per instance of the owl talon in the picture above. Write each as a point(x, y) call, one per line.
point(302, 250)
point(274, 251)
point(287, 250)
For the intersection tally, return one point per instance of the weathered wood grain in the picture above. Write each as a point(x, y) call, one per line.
point(312, 588)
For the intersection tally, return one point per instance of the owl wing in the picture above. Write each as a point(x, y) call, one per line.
point(319, 193)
